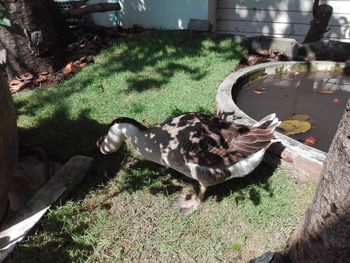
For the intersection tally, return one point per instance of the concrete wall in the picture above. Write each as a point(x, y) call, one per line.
point(279, 18)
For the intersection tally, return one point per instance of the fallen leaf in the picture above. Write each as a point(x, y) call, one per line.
point(294, 126)
point(264, 52)
point(82, 65)
point(310, 140)
point(336, 100)
point(101, 88)
point(300, 117)
point(25, 76)
point(236, 246)
point(326, 91)
point(16, 85)
point(41, 78)
point(70, 68)
point(259, 90)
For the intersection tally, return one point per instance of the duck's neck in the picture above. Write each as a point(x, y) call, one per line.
point(117, 134)
point(125, 129)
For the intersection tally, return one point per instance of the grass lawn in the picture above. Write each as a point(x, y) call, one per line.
point(123, 211)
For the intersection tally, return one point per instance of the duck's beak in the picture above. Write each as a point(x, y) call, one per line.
point(110, 143)
point(100, 145)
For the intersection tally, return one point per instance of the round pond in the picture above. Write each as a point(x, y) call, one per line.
point(315, 99)
point(313, 92)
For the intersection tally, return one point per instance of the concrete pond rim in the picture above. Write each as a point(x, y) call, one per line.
point(304, 160)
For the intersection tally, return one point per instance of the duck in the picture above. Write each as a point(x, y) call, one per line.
point(204, 147)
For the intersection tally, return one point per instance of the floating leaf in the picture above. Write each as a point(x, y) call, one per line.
point(326, 91)
point(259, 90)
point(336, 101)
point(310, 140)
point(300, 117)
point(295, 126)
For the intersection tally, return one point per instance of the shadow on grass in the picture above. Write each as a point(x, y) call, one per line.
point(63, 137)
point(160, 180)
point(54, 245)
point(67, 128)
point(259, 179)
point(160, 52)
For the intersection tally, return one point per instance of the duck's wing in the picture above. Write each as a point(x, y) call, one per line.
point(213, 142)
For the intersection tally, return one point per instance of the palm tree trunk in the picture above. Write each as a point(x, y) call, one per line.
point(34, 46)
point(324, 235)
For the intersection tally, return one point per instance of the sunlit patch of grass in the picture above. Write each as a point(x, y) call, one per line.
point(123, 212)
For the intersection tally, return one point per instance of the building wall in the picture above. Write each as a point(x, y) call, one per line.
point(279, 18)
point(163, 14)
point(107, 19)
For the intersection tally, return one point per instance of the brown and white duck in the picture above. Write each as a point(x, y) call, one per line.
point(206, 148)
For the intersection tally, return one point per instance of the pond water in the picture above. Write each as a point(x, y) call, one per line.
point(321, 97)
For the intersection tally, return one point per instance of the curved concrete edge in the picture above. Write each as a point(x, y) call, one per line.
point(306, 161)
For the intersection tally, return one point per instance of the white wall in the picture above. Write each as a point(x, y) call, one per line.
point(108, 19)
point(163, 14)
point(280, 18)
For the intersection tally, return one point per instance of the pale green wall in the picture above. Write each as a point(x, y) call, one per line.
point(164, 14)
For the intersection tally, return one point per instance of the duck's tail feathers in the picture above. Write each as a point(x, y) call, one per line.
point(270, 122)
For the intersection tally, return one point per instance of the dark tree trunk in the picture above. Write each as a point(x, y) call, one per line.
point(324, 235)
point(8, 144)
point(319, 25)
point(36, 48)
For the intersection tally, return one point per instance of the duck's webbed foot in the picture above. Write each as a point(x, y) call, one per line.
point(187, 204)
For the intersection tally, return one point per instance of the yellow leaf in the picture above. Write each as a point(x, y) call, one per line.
point(294, 126)
point(300, 117)
point(326, 91)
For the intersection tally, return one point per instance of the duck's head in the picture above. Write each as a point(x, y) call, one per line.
point(118, 130)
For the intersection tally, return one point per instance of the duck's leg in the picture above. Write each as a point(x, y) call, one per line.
point(188, 205)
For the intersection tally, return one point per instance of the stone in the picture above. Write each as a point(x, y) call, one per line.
point(288, 46)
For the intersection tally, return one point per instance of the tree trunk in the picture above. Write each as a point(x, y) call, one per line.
point(319, 25)
point(8, 144)
point(324, 235)
point(36, 48)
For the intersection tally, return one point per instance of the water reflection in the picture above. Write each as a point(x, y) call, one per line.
point(321, 95)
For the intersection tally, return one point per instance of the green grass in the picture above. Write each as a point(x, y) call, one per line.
point(123, 211)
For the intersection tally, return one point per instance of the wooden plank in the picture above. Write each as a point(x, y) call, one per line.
point(58, 187)
point(276, 5)
point(263, 28)
point(250, 34)
point(299, 38)
point(277, 29)
point(282, 17)
point(339, 7)
point(338, 33)
point(264, 15)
